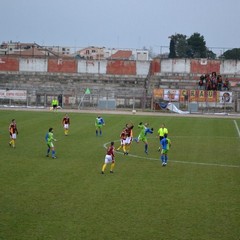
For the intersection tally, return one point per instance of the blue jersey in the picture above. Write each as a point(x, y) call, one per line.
point(148, 130)
point(164, 143)
point(99, 121)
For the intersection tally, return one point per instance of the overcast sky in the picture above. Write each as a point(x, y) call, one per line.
point(119, 23)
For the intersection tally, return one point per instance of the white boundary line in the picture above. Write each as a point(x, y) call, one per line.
point(237, 128)
point(175, 161)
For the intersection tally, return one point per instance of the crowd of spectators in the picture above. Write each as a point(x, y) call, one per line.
point(213, 82)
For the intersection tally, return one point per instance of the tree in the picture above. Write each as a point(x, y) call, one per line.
point(172, 53)
point(211, 54)
point(192, 47)
point(231, 54)
point(197, 45)
point(178, 46)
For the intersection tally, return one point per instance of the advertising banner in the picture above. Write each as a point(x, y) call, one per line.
point(171, 95)
point(13, 94)
point(183, 95)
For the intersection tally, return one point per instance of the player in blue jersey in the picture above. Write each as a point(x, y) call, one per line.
point(166, 144)
point(143, 135)
point(99, 123)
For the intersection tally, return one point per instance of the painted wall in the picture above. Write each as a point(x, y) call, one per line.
point(121, 67)
point(156, 66)
point(230, 67)
point(142, 67)
point(176, 67)
point(62, 65)
point(33, 65)
point(9, 64)
point(92, 66)
point(202, 66)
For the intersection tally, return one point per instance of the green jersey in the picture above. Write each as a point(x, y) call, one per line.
point(142, 131)
point(168, 143)
point(50, 137)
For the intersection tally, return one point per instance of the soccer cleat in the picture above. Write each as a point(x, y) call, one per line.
point(146, 152)
point(54, 157)
point(111, 171)
point(47, 155)
point(102, 172)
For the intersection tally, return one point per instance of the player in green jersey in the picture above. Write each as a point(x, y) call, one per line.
point(49, 140)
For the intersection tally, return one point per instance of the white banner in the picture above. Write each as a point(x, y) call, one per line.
point(173, 108)
point(13, 94)
point(171, 95)
point(225, 97)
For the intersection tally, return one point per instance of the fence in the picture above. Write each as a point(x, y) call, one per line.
point(191, 100)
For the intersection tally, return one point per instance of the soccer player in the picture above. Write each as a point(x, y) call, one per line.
point(13, 131)
point(109, 158)
point(99, 123)
point(161, 131)
point(143, 135)
point(66, 124)
point(49, 140)
point(166, 144)
point(122, 139)
point(129, 138)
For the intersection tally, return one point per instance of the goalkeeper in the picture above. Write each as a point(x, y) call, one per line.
point(144, 130)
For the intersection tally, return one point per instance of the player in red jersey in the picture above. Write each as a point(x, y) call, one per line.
point(66, 124)
point(109, 158)
point(13, 131)
point(123, 137)
point(129, 138)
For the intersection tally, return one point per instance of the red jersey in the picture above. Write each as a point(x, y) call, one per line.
point(123, 135)
point(66, 120)
point(129, 132)
point(13, 128)
point(110, 151)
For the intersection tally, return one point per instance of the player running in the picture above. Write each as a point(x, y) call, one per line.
point(13, 131)
point(129, 138)
point(166, 144)
point(143, 135)
point(66, 124)
point(123, 137)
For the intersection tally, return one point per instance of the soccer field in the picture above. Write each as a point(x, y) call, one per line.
point(197, 196)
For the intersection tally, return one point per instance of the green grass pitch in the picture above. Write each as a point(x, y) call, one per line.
point(197, 196)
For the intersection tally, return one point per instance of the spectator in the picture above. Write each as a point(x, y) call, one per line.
point(201, 84)
point(226, 85)
point(208, 85)
point(214, 81)
point(219, 83)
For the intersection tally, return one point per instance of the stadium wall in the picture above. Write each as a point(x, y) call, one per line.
point(119, 67)
point(9, 64)
point(158, 73)
point(62, 66)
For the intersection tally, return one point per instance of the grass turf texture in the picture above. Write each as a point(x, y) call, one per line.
point(68, 198)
